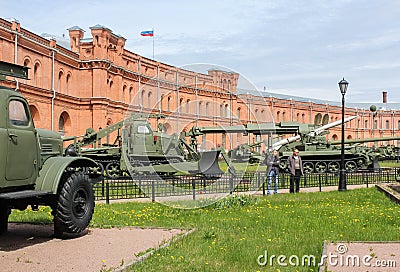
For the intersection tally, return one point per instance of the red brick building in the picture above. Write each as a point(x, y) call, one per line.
point(97, 81)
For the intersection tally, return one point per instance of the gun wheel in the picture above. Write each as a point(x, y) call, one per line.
point(75, 205)
point(308, 167)
point(113, 170)
point(350, 166)
point(333, 167)
point(320, 167)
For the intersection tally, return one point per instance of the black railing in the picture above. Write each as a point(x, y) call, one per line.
point(194, 186)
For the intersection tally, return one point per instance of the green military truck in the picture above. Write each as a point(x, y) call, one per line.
point(33, 170)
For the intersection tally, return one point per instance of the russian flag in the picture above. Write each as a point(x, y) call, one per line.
point(149, 33)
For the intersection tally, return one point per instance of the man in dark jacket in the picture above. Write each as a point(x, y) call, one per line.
point(273, 171)
point(295, 167)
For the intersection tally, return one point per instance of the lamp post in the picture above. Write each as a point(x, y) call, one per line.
point(342, 178)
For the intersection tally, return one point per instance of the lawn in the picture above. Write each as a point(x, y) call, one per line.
point(232, 233)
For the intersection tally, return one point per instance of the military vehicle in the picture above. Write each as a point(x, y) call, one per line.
point(246, 153)
point(140, 149)
point(320, 155)
point(33, 169)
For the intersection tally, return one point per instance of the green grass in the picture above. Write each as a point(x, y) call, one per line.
point(232, 233)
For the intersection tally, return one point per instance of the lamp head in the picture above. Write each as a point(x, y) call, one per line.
point(343, 86)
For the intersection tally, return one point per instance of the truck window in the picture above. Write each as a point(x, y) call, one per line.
point(17, 113)
point(143, 130)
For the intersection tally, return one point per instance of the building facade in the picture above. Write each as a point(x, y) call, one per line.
point(97, 82)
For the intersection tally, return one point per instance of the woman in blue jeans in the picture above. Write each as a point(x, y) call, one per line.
point(273, 171)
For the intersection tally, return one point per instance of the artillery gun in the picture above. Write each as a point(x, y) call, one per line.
point(320, 155)
point(140, 149)
point(246, 153)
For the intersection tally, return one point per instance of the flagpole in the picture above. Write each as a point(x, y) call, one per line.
point(153, 42)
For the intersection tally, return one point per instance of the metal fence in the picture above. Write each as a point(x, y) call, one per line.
point(194, 186)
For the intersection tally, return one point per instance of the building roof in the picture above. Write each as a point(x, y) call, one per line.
point(379, 106)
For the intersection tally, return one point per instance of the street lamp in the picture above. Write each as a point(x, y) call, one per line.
point(342, 178)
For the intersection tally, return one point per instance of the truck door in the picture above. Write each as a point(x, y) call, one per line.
point(22, 145)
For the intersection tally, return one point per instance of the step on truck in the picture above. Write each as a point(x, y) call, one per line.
point(33, 170)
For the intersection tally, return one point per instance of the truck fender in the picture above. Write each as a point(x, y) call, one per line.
point(53, 168)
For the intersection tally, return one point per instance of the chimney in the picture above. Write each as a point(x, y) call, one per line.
point(384, 97)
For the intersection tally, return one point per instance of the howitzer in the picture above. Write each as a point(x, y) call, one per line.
point(320, 155)
point(309, 132)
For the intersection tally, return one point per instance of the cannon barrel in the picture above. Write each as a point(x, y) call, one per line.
point(366, 140)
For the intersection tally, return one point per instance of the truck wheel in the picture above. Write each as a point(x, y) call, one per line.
point(75, 205)
point(4, 213)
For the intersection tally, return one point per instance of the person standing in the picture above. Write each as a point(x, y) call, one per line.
point(273, 171)
point(295, 166)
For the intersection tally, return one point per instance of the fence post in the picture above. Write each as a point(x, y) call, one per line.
point(319, 182)
point(102, 187)
point(263, 185)
point(107, 193)
point(194, 188)
point(231, 183)
point(153, 191)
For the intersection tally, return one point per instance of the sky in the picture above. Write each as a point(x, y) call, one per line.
point(300, 48)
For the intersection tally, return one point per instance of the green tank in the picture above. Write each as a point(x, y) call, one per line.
point(320, 155)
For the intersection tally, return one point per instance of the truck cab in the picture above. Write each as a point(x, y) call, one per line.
point(33, 170)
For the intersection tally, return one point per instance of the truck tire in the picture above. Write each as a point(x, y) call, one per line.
point(75, 205)
point(4, 213)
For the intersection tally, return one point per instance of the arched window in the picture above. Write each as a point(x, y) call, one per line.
point(375, 124)
point(110, 91)
point(180, 104)
point(298, 117)
point(187, 105)
point(303, 118)
point(283, 116)
point(149, 100)
point(226, 111)
point(334, 137)
point(130, 94)
point(169, 103)
point(200, 105)
point(325, 119)
point(60, 76)
point(141, 102)
point(262, 115)
point(387, 124)
point(64, 123)
point(318, 119)
point(35, 114)
point(36, 74)
point(238, 113)
point(123, 93)
point(221, 109)
point(208, 108)
point(67, 80)
point(366, 124)
point(27, 62)
point(278, 117)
